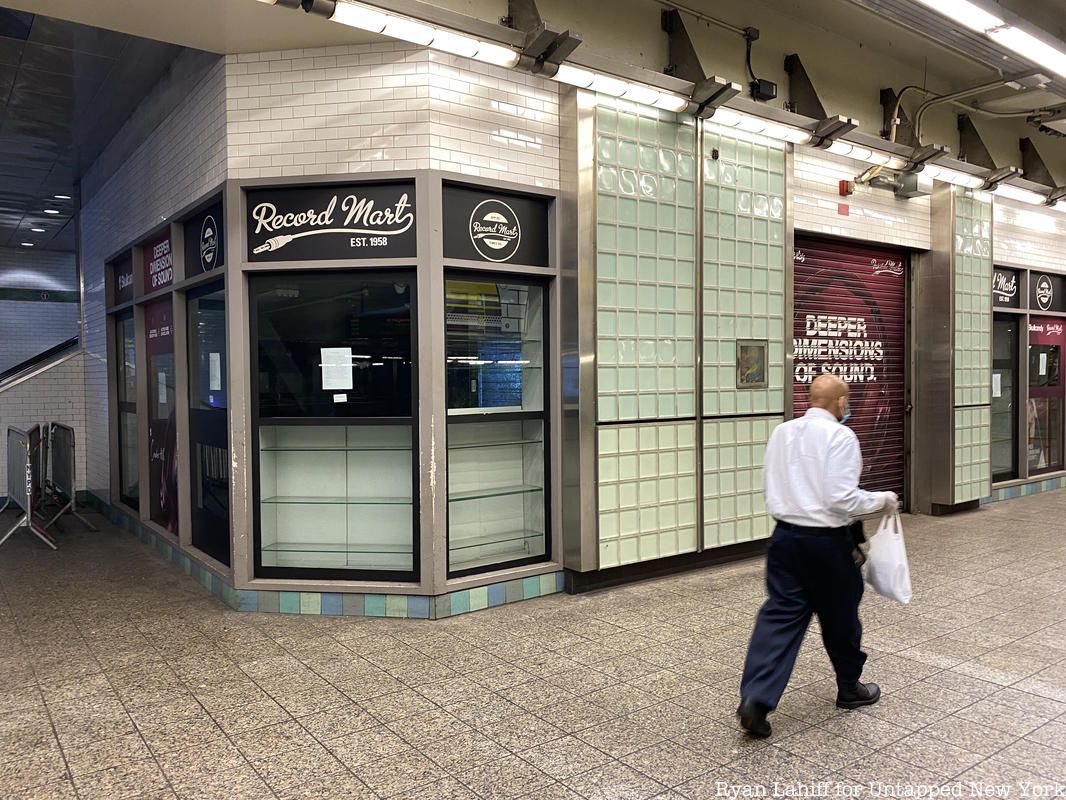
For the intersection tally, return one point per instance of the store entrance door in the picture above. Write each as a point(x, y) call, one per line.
point(851, 319)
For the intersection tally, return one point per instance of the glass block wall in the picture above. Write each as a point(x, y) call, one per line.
point(647, 491)
point(973, 443)
point(744, 261)
point(653, 429)
point(733, 452)
point(645, 264)
point(973, 297)
point(743, 268)
point(972, 348)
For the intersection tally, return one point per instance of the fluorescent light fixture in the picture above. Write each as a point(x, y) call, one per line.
point(575, 76)
point(62, 196)
point(876, 157)
point(1029, 47)
point(1012, 38)
point(965, 13)
point(37, 230)
point(365, 18)
point(354, 16)
point(50, 211)
point(27, 244)
point(955, 178)
point(616, 87)
point(757, 125)
point(1020, 194)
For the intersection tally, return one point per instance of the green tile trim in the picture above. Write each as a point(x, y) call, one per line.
point(1025, 490)
point(310, 603)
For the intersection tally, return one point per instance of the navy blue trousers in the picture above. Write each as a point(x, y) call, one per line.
point(806, 573)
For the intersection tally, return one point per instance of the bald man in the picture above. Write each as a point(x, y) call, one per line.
point(811, 482)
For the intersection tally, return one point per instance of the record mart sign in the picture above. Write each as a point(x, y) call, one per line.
point(326, 222)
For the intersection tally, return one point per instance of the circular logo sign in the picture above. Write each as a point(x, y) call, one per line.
point(1045, 292)
point(208, 243)
point(495, 230)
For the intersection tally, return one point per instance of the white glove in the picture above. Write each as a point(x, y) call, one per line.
point(891, 502)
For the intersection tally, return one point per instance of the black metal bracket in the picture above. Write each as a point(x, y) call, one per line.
point(1000, 175)
point(546, 46)
point(1033, 165)
point(708, 92)
point(904, 128)
point(972, 147)
point(801, 92)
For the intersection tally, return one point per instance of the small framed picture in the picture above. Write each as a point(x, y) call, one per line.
point(751, 364)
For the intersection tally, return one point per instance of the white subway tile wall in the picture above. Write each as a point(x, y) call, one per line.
point(181, 160)
point(31, 326)
point(1028, 237)
point(384, 107)
point(54, 395)
point(873, 215)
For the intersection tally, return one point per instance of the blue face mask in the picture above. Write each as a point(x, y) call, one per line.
point(847, 415)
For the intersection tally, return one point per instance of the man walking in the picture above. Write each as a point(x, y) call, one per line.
point(811, 482)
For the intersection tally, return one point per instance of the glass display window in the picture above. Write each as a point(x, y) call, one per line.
point(334, 403)
point(498, 495)
point(334, 345)
point(209, 422)
point(126, 386)
point(1004, 412)
point(1047, 394)
point(162, 416)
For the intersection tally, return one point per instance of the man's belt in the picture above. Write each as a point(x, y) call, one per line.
point(788, 526)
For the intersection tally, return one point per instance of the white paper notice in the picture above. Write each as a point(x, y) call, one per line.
point(1043, 363)
point(997, 384)
point(340, 398)
point(214, 364)
point(336, 368)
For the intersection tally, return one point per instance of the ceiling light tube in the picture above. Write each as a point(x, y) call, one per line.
point(955, 178)
point(965, 13)
point(757, 125)
point(1029, 47)
point(361, 17)
point(1020, 194)
point(369, 19)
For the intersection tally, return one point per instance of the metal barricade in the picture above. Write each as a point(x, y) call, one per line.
point(24, 481)
point(61, 485)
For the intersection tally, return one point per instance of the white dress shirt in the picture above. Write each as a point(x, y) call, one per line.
point(811, 473)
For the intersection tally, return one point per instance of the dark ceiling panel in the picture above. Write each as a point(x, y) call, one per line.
point(10, 51)
point(15, 24)
point(65, 92)
point(77, 38)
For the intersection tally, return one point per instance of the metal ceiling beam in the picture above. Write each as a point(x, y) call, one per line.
point(801, 92)
point(1033, 165)
point(896, 116)
point(971, 146)
point(708, 92)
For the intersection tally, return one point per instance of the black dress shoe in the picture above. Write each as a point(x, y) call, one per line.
point(863, 694)
point(752, 717)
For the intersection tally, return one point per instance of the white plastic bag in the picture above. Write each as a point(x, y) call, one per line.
point(887, 570)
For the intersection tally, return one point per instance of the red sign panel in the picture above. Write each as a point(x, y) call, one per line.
point(850, 306)
point(158, 258)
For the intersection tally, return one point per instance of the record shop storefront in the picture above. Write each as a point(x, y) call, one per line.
point(349, 401)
